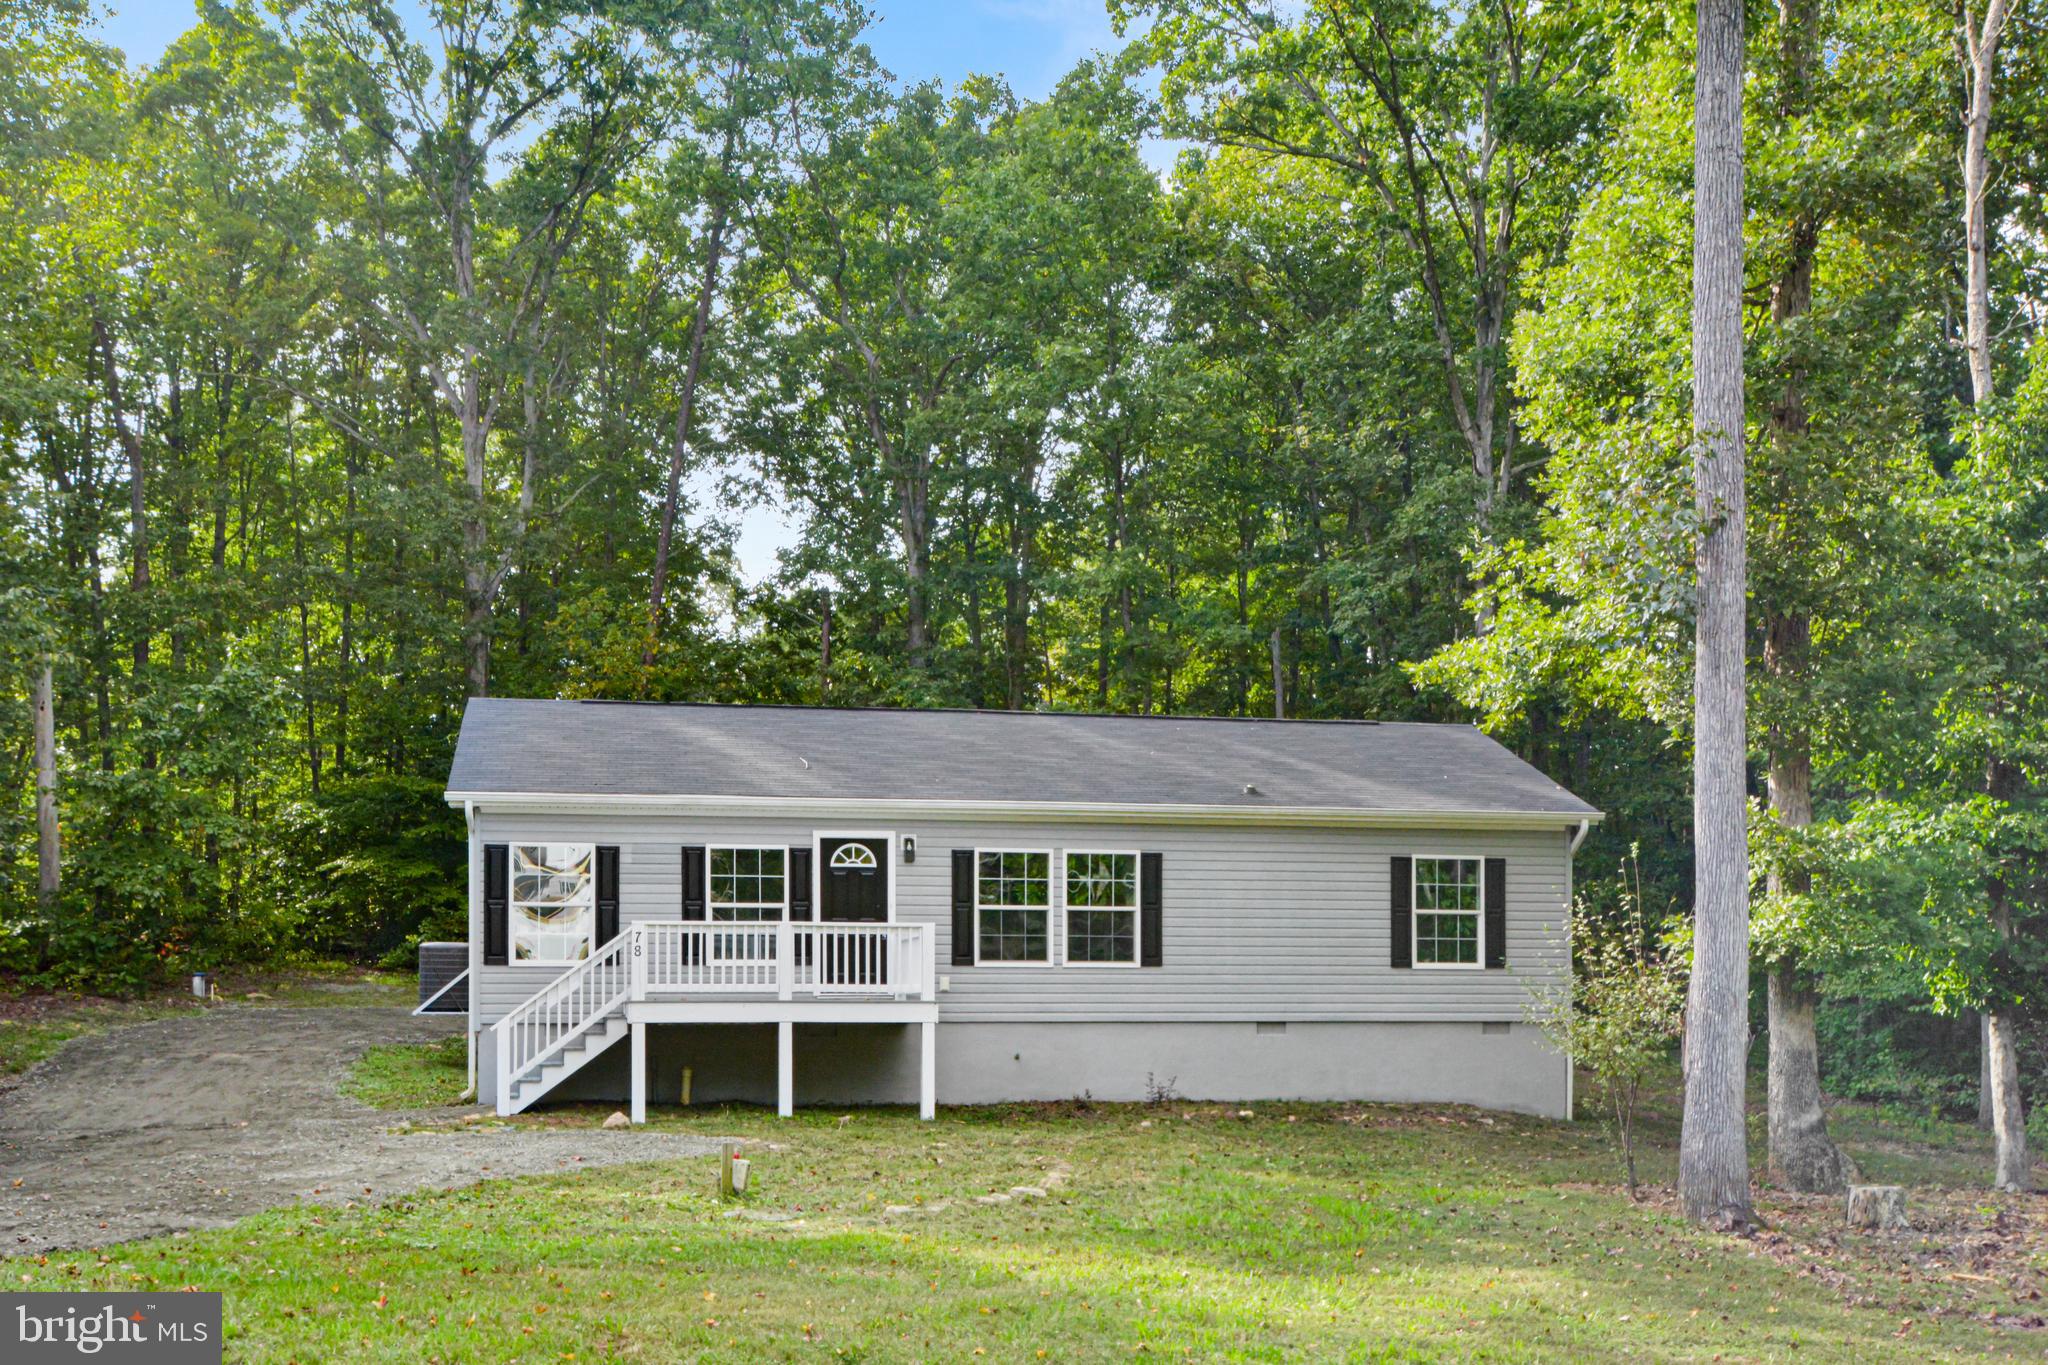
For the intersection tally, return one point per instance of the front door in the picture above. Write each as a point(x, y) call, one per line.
point(856, 880)
point(855, 891)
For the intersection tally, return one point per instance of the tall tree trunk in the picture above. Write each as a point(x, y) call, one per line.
point(1801, 1152)
point(2013, 1165)
point(1984, 1115)
point(1279, 677)
point(1713, 1154)
point(825, 650)
point(304, 591)
point(679, 446)
point(1119, 536)
point(1017, 607)
point(913, 489)
point(345, 646)
point(2002, 780)
point(1980, 51)
point(48, 841)
point(138, 519)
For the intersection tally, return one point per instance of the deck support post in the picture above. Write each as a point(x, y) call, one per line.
point(927, 1070)
point(638, 1040)
point(785, 1068)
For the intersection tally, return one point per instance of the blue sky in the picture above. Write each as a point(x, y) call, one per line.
point(1031, 42)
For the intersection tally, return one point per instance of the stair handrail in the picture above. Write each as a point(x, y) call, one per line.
point(565, 1009)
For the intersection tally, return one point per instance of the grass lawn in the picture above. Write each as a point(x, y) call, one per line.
point(35, 1023)
point(411, 1075)
point(1291, 1232)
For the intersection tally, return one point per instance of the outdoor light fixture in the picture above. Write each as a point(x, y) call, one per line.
point(910, 848)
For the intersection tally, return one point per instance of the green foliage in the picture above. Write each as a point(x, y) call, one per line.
point(1617, 1016)
point(403, 359)
point(371, 868)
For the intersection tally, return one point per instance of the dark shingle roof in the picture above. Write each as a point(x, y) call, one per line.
point(820, 753)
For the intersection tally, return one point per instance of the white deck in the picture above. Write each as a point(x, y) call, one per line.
point(681, 972)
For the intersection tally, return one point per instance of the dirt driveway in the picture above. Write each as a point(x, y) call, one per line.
point(198, 1121)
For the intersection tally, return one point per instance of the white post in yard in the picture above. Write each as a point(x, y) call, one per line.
point(928, 1070)
point(501, 1047)
point(785, 1068)
point(638, 1040)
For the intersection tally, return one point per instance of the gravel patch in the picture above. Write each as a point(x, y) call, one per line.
point(196, 1122)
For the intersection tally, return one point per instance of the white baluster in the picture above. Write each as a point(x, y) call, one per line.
point(785, 960)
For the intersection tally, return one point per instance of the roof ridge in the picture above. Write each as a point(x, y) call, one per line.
point(994, 712)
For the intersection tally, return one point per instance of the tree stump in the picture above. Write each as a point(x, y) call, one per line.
point(1881, 1208)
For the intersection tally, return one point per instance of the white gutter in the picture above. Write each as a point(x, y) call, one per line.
point(839, 808)
point(1579, 837)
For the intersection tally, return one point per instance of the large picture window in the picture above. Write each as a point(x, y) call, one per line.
point(748, 885)
point(1447, 912)
point(1013, 905)
point(1102, 907)
point(553, 907)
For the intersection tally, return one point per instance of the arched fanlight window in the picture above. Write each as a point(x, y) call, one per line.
point(855, 856)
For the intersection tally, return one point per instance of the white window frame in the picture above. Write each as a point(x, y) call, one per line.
point(1136, 908)
point(711, 852)
point(513, 903)
point(1054, 924)
point(1415, 913)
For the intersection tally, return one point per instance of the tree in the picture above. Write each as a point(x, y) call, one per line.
point(1619, 1012)
point(1713, 1171)
point(1462, 129)
point(872, 333)
point(767, 71)
point(460, 268)
point(2003, 775)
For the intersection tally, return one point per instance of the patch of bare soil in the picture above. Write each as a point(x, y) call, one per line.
point(202, 1119)
point(1969, 1253)
point(41, 1007)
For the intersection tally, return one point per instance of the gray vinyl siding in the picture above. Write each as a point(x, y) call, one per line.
point(1261, 924)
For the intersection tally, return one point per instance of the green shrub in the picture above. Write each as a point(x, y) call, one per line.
point(1618, 1015)
point(370, 868)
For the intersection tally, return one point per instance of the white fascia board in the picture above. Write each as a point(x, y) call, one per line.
point(839, 809)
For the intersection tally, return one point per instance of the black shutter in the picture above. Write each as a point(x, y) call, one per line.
point(963, 907)
point(607, 893)
point(497, 876)
point(1401, 880)
point(800, 883)
point(693, 882)
point(1496, 912)
point(1151, 904)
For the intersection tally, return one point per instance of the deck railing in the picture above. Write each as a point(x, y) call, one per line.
point(557, 1014)
point(679, 958)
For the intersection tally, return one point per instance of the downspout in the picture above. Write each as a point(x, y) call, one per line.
point(469, 1031)
point(1571, 850)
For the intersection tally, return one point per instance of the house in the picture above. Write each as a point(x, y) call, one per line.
point(843, 906)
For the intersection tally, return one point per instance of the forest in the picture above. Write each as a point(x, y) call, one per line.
point(354, 369)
